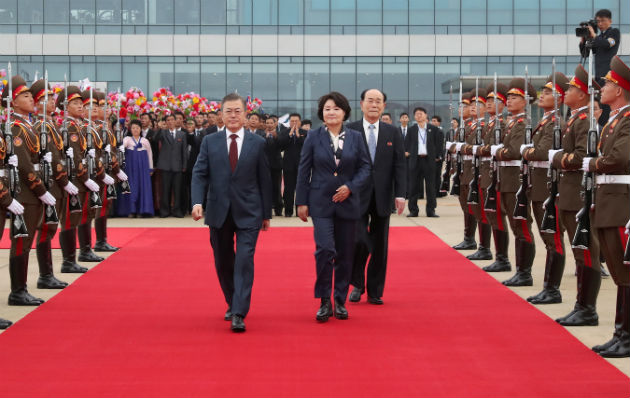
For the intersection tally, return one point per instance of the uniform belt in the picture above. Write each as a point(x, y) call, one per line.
point(62, 162)
point(467, 158)
point(511, 163)
point(3, 173)
point(612, 179)
point(36, 167)
point(422, 155)
point(539, 164)
point(484, 159)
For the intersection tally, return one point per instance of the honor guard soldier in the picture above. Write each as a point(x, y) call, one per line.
point(478, 111)
point(612, 194)
point(569, 161)
point(58, 180)
point(508, 154)
point(470, 224)
point(495, 213)
point(538, 156)
point(33, 194)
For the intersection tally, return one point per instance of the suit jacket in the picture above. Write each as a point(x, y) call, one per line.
point(433, 145)
point(319, 176)
point(194, 141)
point(388, 175)
point(173, 151)
point(401, 131)
point(246, 192)
point(292, 147)
point(212, 129)
point(152, 137)
point(512, 139)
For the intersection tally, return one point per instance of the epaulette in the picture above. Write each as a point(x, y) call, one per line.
point(520, 120)
point(583, 116)
point(627, 114)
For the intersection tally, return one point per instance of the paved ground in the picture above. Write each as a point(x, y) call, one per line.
point(449, 227)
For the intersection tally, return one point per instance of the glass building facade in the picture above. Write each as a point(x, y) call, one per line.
point(287, 52)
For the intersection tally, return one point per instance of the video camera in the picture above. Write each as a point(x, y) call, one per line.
point(583, 32)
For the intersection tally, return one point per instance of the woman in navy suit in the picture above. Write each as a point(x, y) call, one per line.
point(334, 165)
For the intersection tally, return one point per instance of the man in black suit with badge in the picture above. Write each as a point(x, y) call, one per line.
point(388, 180)
point(291, 142)
point(422, 148)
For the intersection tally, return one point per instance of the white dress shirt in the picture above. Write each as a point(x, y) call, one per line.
point(422, 140)
point(366, 128)
point(239, 139)
point(403, 129)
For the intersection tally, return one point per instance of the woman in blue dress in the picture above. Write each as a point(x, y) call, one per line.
point(139, 168)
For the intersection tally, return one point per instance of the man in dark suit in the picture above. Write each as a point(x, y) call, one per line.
point(232, 172)
point(436, 121)
point(291, 142)
point(172, 164)
point(388, 179)
point(194, 139)
point(422, 151)
point(274, 157)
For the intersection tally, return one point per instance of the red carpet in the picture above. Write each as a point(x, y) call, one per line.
point(148, 322)
point(115, 236)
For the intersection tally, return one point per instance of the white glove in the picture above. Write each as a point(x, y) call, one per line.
point(552, 154)
point(449, 144)
point(458, 146)
point(627, 227)
point(48, 157)
point(495, 148)
point(122, 176)
point(71, 189)
point(93, 186)
point(92, 153)
point(108, 180)
point(16, 208)
point(585, 163)
point(475, 148)
point(108, 149)
point(13, 161)
point(524, 147)
point(121, 148)
point(48, 199)
point(70, 152)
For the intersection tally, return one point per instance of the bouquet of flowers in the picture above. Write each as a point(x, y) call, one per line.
point(163, 101)
point(191, 104)
point(254, 106)
point(134, 103)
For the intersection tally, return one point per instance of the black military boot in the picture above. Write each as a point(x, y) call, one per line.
point(618, 323)
point(501, 243)
point(47, 278)
point(554, 268)
point(483, 252)
point(525, 253)
point(18, 271)
point(470, 225)
point(100, 225)
point(621, 348)
point(68, 243)
point(585, 313)
point(85, 245)
point(4, 324)
point(325, 310)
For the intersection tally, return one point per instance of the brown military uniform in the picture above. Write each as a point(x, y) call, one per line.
point(5, 195)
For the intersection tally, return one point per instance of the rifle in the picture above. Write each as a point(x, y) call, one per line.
point(491, 196)
point(473, 193)
point(626, 254)
point(124, 185)
point(74, 203)
point(95, 198)
point(550, 218)
point(18, 225)
point(50, 212)
point(582, 240)
point(446, 176)
point(110, 191)
point(522, 201)
point(461, 136)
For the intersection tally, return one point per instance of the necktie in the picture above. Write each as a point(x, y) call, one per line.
point(233, 151)
point(404, 132)
point(173, 134)
point(372, 142)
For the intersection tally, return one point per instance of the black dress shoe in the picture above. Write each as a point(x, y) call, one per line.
point(580, 316)
point(355, 295)
point(412, 215)
point(288, 215)
point(325, 311)
point(432, 215)
point(4, 324)
point(238, 325)
point(482, 253)
point(72, 268)
point(501, 264)
point(178, 215)
point(340, 311)
point(467, 244)
point(24, 298)
point(104, 246)
point(228, 314)
point(89, 256)
point(619, 349)
point(375, 300)
point(521, 278)
point(601, 347)
point(547, 296)
point(50, 282)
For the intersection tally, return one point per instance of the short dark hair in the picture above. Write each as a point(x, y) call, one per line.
point(135, 122)
point(274, 116)
point(438, 118)
point(295, 115)
point(249, 116)
point(177, 112)
point(167, 116)
point(603, 13)
point(233, 97)
point(388, 114)
point(419, 109)
point(339, 100)
point(147, 114)
point(307, 122)
point(403, 113)
point(366, 90)
point(212, 112)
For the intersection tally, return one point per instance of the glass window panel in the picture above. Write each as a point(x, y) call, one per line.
point(31, 11)
point(79, 71)
point(160, 75)
point(291, 12)
point(56, 12)
point(239, 12)
point(213, 81)
point(624, 15)
point(291, 81)
point(395, 12)
point(108, 12)
point(421, 12)
point(28, 71)
point(421, 79)
point(316, 81)
point(108, 72)
point(134, 12)
point(578, 11)
point(82, 11)
point(265, 12)
point(287, 107)
point(239, 78)
point(161, 12)
point(57, 70)
point(8, 12)
point(265, 81)
point(612, 5)
point(474, 12)
point(186, 78)
point(135, 75)
point(310, 112)
point(213, 12)
point(526, 12)
point(396, 81)
point(369, 12)
point(499, 12)
point(368, 76)
point(343, 79)
point(447, 12)
point(553, 12)
point(317, 12)
point(500, 68)
point(187, 12)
